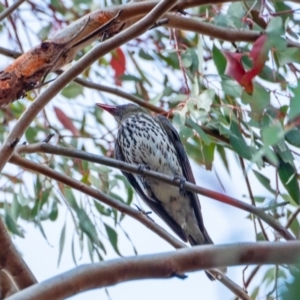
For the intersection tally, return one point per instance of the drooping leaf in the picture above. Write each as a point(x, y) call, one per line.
point(238, 143)
point(113, 238)
point(66, 121)
point(265, 181)
point(288, 177)
point(88, 227)
point(118, 63)
point(61, 243)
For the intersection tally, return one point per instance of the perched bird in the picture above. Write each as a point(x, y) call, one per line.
point(154, 143)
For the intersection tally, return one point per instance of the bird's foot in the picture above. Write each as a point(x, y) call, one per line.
point(179, 275)
point(182, 182)
point(142, 168)
point(146, 213)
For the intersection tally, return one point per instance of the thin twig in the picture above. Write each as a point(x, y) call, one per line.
point(7, 12)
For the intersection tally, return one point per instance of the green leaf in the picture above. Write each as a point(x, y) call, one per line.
point(31, 134)
point(270, 155)
point(219, 60)
point(54, 211)
point(204, 137)
point(145, 55)
point(222, 153)
point(87, 226)
point(205, 99)
point(61, 243)
point(208, 153)
point(238, 143)
point(70, 198)
point(264, 181)
point(255, 292)
point(293, 136)
point(113, 238)
point(275, 27)
point(287, 175)
point(288, 55)
point(295, 103)
point(12, 226)
point(190, 60)
point(185, 133)
point(258, 101)
point(272, 135)
point(231, 87)
point(291, 290)
point(72, 90)
point(15, 208)
point(102, 209)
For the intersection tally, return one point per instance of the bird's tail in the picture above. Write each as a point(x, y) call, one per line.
point(207, 241)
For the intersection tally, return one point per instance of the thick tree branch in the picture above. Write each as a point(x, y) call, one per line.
point(123, 208)
point(7, 286)
point(12, 262)
point(80, 66)
point(47, 148)
point(164, 265)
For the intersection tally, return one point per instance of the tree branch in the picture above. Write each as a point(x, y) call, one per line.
point(47, 148)
point(123, 208)
point(100, 50)
point(12, 262)
point(10, 9)
point(163, 265)
point(214, 31)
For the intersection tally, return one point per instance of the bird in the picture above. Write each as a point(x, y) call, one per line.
point(153, 143)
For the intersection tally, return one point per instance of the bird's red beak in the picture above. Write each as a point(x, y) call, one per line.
point(109, 108)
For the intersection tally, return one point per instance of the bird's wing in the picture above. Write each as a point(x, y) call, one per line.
point(154, 204)
point(187, 172)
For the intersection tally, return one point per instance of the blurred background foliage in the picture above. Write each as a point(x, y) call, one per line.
point(189, 76)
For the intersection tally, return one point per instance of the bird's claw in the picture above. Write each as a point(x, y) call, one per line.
point(146, 213)
point(182, 181)
point(179, 275)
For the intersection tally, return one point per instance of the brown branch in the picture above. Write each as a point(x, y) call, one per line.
point(47, 148)
point(97, 86)
point(123, 208)
point(10, 53)
point(120, 93)
point(163, 265)
point(8, 11)
point(100, 50)
point(223, 33)
point(50, 55)
point(292, 218)
point(12, 262)
point(7, 286)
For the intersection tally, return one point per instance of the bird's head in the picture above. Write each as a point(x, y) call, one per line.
point(121, 112)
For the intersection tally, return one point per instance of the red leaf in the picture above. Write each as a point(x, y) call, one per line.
point(118, 63)
point(65, 121)
point(259, 54)
point(235, 69)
